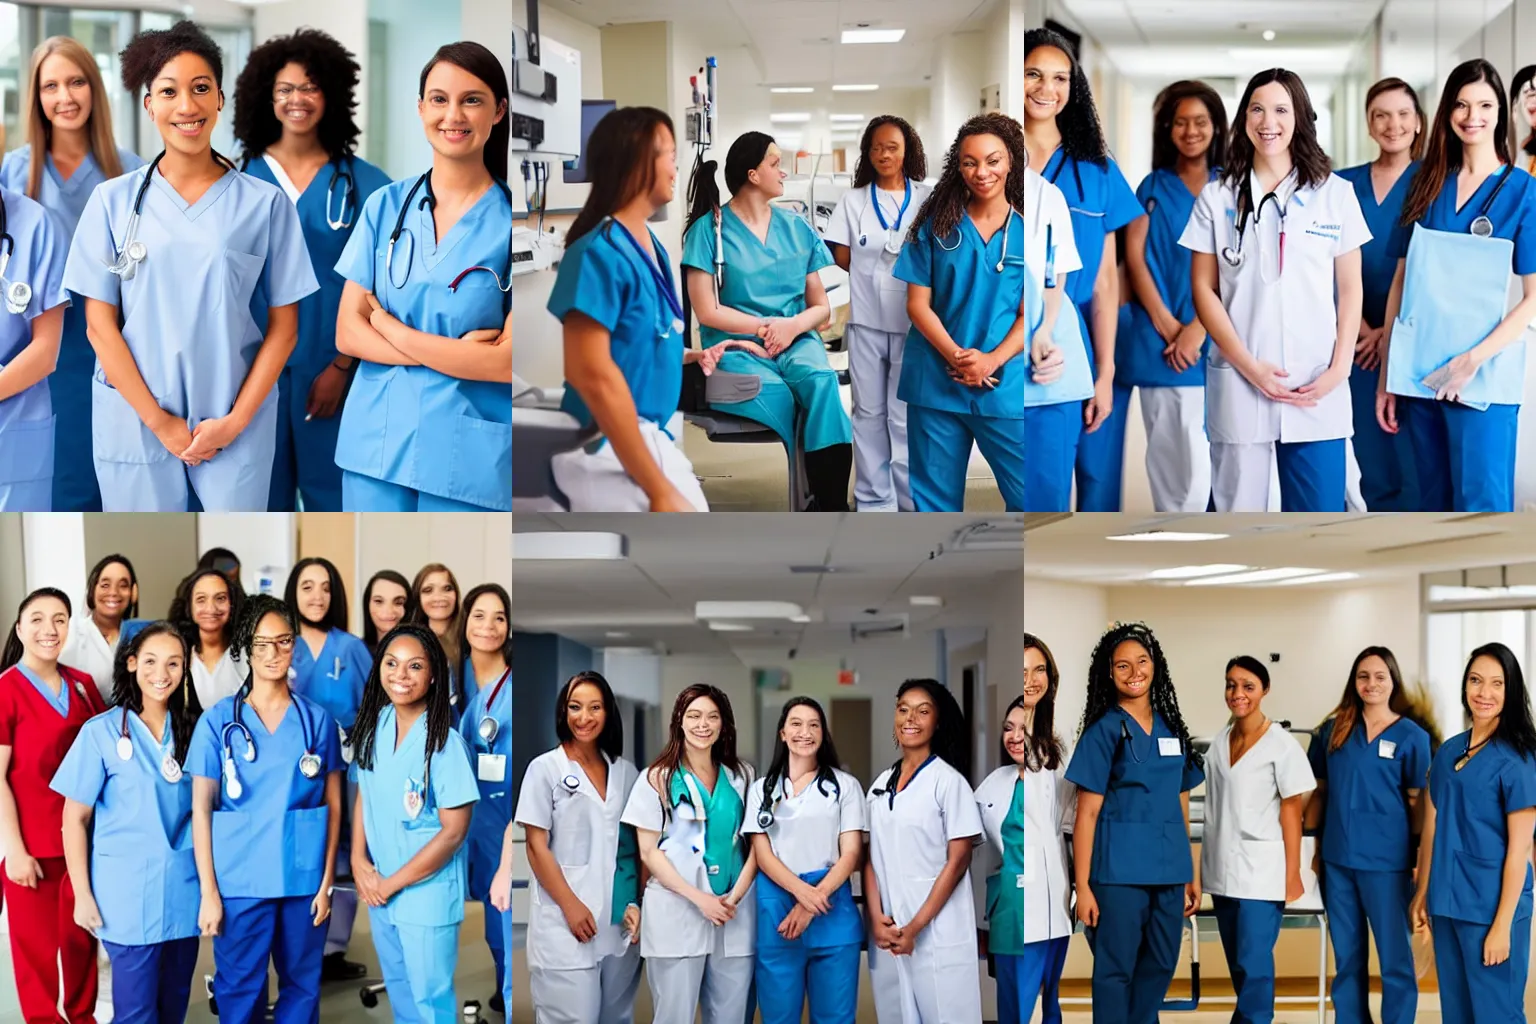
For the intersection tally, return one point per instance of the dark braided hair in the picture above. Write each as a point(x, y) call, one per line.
point(182, 703)
point(914, 165)
point(256, 609)
point(439, 711)
point(1102, 695)
point(1082, 138)
point(945, 206)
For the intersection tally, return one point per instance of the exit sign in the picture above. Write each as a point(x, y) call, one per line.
point(847, 677)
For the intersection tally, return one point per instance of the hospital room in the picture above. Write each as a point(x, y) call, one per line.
point(271, 684)
point(756, 641)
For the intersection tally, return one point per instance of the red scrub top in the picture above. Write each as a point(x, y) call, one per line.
point(39, 737)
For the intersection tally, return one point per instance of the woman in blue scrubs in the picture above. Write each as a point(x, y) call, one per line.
point(1066, 145)
point(293, 119)
point(974, 306)
point(386, 604)
point(413, 810)
point(1369, 758)
point(266, 820)
point(486, 725)
point(128, 819)
point(1133, 768)
point(1455, 358)
point(68, 120)
point(763, 284)
point(1162, 350)
point(183, 406)
point(427, 309)
point(1474, 878)
point(1388, 479)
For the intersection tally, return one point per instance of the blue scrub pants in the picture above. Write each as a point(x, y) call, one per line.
point(1471, 993)
point(1020, 979)
point(152, 984)
point(1380, 898)
point(506, 938)
point(1135, 950)
point(939, 452)
point(74, 476)
point(418, 962)
point(1389, 482)
point(1101, 459)
point(1050, 998)
point(1466, 458)
point(1249, 930)
point(361, 493)
point(304, 464)
point(1311, 475)
point(789, 971)
point(256, 930)
point(800, 375)
point(1052, 434)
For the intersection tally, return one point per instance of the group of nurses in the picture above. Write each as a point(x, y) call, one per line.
point(111, 599)
point(293, 119)
point(207, 607)
point(865, 236)
point(1163, 349)
point(43, 707)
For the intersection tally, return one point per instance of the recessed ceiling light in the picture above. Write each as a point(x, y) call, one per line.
point(1269, 35)
point(798, 117)
point(1168, 535)
point(1327, 577)
point(706, 610)
point(873, 35)
point(1190, 572)
point(847, 117)
point(800, 619)
point(924, 601)
point(616, 635)
point(730, 627)
point(558, 544)
point(854, 88)
point(1256, 576)
point(787, 89)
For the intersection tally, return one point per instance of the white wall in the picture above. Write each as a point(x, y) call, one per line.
point(258, 538)
point(413, 32)
point(478, 548)
point(53, 553)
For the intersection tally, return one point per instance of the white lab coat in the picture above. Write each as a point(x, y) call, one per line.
point(1050, 809)
point(1242, 850)
point(86, 650)
point(1046, 206)
point(1288, 319)
point(807, 828)
point(224, 680)
point(877, 299)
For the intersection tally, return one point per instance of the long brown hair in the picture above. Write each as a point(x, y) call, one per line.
point(1443, 156)
point(1351, 709)
point(671, 757)
point(622, 156)
point(1044, 746)
point(945, 205)
point(98, 125)
point(1386, 85)
point(450, 637)
point(1307, 156)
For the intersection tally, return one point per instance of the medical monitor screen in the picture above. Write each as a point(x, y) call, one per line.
point(592, 111)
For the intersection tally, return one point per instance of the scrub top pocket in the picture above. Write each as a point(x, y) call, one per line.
point(27, 453)
point(570, 835)
point(481, 471)
point(1233, 407)
point(117, 433)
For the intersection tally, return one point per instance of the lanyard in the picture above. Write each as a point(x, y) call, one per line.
point(874, 198)
point(497, 691)
point(663, 281)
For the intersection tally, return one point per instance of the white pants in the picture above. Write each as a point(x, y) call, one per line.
point(604, 994)
point(1244, 477)
point(1178, 454)
point(598, 483)
point(717, 985)
point(932, 986)
point(1353, 499)
point(879, 420)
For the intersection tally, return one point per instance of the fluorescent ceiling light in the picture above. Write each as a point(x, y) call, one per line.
point(616, 635)
point(1327, 577)
point(1256, 576)
point(923, 601)
point(707, 610)
point(854, 88)
point(873, 35)
point(847, 117)
point(1190, 572)
point(1442, 593)
point(787, 89)
point(561, 545)
point(798, 117)
point(800, 619)
point(730, 627)
point(1168, 535)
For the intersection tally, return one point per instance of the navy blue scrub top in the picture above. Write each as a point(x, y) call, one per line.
point(1365, 822)
point(1378, 257)
point(1472, 828)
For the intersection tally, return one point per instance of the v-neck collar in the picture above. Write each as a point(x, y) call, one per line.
point(195, 210)
point(767, 236)
point(74, 182)
point(986, 243)
point(400, 746)
point(1491, 181)
point(159, 741)
point(1370, 184)
point(1225, 744)
point(586, 785)
point(434, 252)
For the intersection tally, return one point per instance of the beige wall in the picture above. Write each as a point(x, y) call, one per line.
point(161, 545)
point(476, 546)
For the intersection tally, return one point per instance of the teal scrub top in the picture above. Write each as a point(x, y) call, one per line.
point(724, 848)
point(1005, 891)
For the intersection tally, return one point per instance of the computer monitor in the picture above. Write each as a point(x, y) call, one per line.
point(592, 111)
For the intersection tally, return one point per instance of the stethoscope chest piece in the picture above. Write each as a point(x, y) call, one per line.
point(18, 296)
point(1482, 227)
point(765, 819)
point(893, 244)
point(571, 783)
point(170, 768)
point(309, 766)
point(1234, 257)
point(124, 748)
point(488, 728)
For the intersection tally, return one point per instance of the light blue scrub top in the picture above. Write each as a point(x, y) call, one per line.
point(494, 811)
point(1365, 819)
point(1139, 352)
point(1513, 214)
point(1378, 257)
point(41, 251)
point(1141, 837)
point(410, 425)
point(762, 279)
point(394, 838)
point(605, 277)
point(269, 843)
point(1101, 203)
point(143, 870)
point(64, 200)
point(335, 679)
point(978, 306)
point(1471, 828)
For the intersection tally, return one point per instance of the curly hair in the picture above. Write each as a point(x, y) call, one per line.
point(148, 52)
point(256, 609)
point(375, 700)
point(180, 611)
point(914, 165)
point(183, 706)
point(1102, 695)
point(945, 206)
point(328, 64)
point(1082, 138)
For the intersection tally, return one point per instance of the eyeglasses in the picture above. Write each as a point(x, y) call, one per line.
point(268, 645)
point(308, 90)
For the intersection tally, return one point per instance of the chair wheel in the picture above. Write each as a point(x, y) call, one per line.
point(370, 999)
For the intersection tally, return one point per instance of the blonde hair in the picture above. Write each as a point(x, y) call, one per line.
point(98, 126)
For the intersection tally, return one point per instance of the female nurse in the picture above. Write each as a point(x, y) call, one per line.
point(206, 609)
point(427, 426)
point(1388, 478)
point(1063, 134)
point(806, 819)
point(266, 819)
point(1257, 781)
point(183, 406)
point(1133, 768)
point(415, 791)
point(973, 305)
point(584, 911)
point(1522, 97)
point(1369, 758)
point(761, 282)
point(1454, 349)
point(1163, 350)
point(128, 819)
point(68, 121)
point(687, 809)
point(111, 597)
point(865, 235)
point(293, 119)
point(1277, 386)
point(1028, 900)
point(1474, 877)
point(486, 727)
point(435, 598)
point(43, 707)
point(386, 604)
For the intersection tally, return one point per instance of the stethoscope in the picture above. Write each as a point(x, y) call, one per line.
point(309, 763)
point(348, 193)
point(663, 283)
point(489, 727)
point(1233, 253)
point(1003, 257)
point(429, 201)
point(1125, 734)
point(1077, 174)
point(892, 231)
point(1481, 226)
point(889, 792)
point(170, 768)
point(133, 251)
point(765, 816)
point(18, 294)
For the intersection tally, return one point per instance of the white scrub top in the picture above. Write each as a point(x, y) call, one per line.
point(1050, 811)
point(1288, 319)
point(226, 677)
point(86, 650)
point(1045, 206)
point(807, 827)
point(584, 838)
point(1242, 851)
point(878, 300)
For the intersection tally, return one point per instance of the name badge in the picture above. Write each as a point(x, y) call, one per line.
point(1018, 882)
point(714, 869)
point(1168, 746)
point(492, 768)
point(1387, 749)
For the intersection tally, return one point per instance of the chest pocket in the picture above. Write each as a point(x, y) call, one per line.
point(570, 833)
point(1313, 240)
